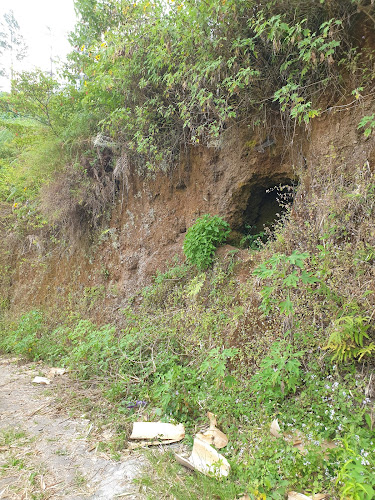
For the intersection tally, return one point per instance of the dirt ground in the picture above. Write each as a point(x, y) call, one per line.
point(46, 454)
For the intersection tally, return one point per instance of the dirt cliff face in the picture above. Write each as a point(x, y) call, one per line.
point(153, 212)
point(151, 218)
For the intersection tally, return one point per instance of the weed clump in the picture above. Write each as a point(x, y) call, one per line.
point(203, 238)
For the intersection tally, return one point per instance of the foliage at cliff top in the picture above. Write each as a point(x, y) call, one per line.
point(168, 74)
point(160, 76)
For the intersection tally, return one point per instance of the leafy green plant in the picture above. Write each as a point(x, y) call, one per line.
point(308, 46)
point(356, 477)
point(284, 272)
point(253, 241)
point(91, 348)
point(203, 238)
point(185, 389)
point(368, 124)
point(28, 337)
point(354, 482)
point(347, 337)
point(23, 338)
point(195, 285)
point(279, 373)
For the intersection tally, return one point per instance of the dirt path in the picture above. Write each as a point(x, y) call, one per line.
point(45, 454)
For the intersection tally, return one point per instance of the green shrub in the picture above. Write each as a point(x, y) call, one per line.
point(23, 337)
point(356, 478)
point(280, 372)
point(91, 348)
point(284, 273)
point(203, 238)
point(165, 90)
point(31, 337)
point(183, 390)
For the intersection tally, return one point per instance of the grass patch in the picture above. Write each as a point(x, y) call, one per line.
point(21, 476)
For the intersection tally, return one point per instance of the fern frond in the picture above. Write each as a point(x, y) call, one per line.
point(368, 350)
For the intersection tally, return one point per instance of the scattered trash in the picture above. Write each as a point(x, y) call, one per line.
point(158, 431)
point(57, 371)
point(144, 444)
point(275, 429)
point(204, 458)
point(293, 495)
point(213, 435)
point(41, 380)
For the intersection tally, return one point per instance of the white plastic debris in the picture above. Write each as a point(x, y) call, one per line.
point(275, 429)
point(41, 380)
point(213, 435)
point(204, 458)
point(158, 430)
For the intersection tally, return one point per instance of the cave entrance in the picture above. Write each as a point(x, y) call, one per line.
point(267, 203)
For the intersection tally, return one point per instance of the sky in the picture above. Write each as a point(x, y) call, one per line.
point(34, 18)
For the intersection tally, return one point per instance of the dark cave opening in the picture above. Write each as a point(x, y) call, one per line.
point(267, 204)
